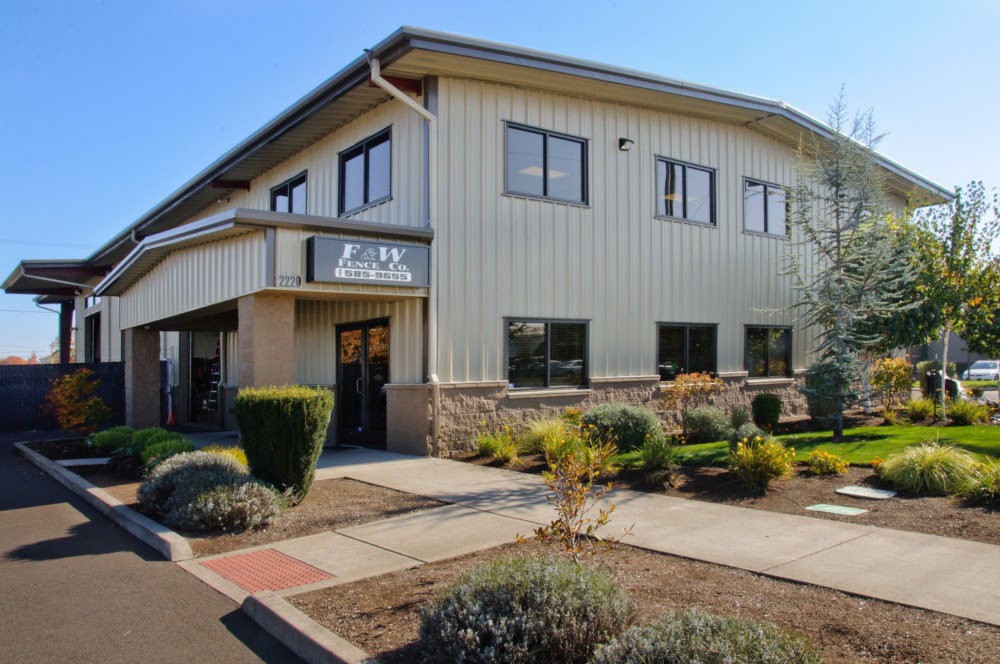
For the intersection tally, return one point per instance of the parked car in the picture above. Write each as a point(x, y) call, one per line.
point(982, 370)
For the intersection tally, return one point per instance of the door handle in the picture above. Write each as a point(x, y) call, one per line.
point(358, 385)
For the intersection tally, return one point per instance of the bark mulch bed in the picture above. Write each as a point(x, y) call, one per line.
point(381, 614)
point(329, 505)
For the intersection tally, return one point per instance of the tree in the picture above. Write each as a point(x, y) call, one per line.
point(982, 317)
point(957, 274)
point(855, 285)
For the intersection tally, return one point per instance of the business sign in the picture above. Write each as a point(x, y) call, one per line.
point(336, 260)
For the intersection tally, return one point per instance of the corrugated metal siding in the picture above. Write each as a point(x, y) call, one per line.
point(321, 160)
point(230, 358)
point(316, 344)
point(612, 262)
point(196, 277)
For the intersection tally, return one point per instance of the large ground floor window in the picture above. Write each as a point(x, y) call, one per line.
point(685, 349)
point(543, 353)
point(768, 351)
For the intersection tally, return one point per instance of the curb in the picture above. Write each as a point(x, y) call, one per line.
point(301, 634)
point(169, 544)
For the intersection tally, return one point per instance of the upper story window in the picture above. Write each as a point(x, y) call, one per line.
point(768, 351)
point(685, 349)
point(546, 164)
point(290, 196)
point(765, 208)
point(365, 172)
point(546, 353)
point(684, 191)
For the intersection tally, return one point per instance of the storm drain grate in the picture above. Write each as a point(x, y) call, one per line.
point(265, 570)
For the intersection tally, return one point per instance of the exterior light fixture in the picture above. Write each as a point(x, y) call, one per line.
point(625, 144)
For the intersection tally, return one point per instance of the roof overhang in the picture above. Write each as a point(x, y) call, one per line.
point(57, 278)
point(235, 222)
point(416, 53)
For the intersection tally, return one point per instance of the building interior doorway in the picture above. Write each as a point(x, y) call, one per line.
point(205, 376)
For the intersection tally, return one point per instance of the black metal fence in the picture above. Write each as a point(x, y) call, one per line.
point(23, 389)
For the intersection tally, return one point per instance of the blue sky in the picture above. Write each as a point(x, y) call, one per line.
point(109, 106)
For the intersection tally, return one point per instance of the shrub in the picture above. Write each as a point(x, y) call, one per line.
point(572, 416)
point(283, 430)
point(535, 434)
point(231, 451)
point(928, 468)
point(982, 487)
point(158, 437)
point(766, 410)
point(179, 479)
point(696, 636)
point(822, 462)
point(818, 384)
point(965, 413)
point(760, 461)
point(706, 424)
point(142, 437)
point(738, 416)
point(892, 378)
point(110, 440)
point(121, 429)
point(919, 410)
point(524, 610)
point(499, 446)
point(625, 424)
point(749, 433)
point(688, 389)
point(162, 449)
point(659, 460)
point(228, 507)
point(74, 404)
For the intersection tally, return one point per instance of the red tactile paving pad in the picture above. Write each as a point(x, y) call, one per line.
point(265, 570)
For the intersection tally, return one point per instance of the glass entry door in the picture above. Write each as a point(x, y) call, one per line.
point(362, 372)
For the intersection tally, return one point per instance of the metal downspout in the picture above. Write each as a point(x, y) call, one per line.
point(432, 204)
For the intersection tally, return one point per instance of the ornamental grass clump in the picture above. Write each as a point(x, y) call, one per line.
point(110, 440)
point(822, 462)
point(760, 461)
point(283, 430)
point(499, 446)
point(982, 487)
point(692, 635)
point(919, 410)
point(537, 431)
point(928, 468)
point(158, 451)
point(967, 413)
point(527, 610)
point(232, 451)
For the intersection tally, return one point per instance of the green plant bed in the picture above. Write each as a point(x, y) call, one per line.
point(860, 445)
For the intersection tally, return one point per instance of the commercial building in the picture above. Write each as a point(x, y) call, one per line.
point(449, 231)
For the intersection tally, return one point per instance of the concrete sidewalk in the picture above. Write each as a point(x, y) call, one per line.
point(490, 506)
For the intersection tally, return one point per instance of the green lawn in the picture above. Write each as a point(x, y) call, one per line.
point(862, 446)
point(985, 384)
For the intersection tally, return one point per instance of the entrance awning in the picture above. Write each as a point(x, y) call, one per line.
point(58, 278)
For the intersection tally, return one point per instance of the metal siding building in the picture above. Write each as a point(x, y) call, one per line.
point(225, 283)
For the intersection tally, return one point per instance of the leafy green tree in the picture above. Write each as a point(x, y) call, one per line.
point(957, 274)
point(855, 284)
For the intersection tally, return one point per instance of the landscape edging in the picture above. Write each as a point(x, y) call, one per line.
point(301, 634)
point(169, 544)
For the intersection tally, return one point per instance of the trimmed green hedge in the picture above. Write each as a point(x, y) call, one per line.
point(283, 430)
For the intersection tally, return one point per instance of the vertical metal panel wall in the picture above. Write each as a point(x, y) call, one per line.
point(321, 161)
point(316, 343)
point(611, 261)
point(196, 277)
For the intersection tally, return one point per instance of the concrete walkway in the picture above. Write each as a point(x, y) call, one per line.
point(490, 506)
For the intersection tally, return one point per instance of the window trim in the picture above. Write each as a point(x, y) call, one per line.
point(546, 133)
point(712, 172)
point(304, 176)
point(767, 352)
point(687, 340)
point(364, 146)
point(767, 185)
point(584, 384)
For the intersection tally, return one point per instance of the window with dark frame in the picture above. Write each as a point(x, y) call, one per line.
point(542, 354)
point(685, 349)
point(290, 196)
point(365, 172)
point(765, 208)
point(92, 352)
point(545, 164)
point(768, 352)
point(685, 191)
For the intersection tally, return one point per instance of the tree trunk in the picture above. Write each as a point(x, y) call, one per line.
point(944, 370)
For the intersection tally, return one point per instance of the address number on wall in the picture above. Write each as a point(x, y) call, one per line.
point(289, 281)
